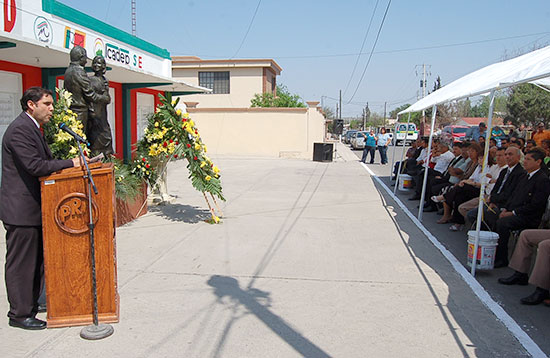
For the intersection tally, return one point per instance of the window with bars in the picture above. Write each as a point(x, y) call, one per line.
point(218, 82)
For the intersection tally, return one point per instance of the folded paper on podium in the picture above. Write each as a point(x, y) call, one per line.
point(67, 261)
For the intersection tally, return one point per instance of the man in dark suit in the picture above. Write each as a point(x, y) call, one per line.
point(25, 158)
point(525, 206)
point(505, 185)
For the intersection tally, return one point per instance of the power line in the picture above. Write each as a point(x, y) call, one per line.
point(372, 51)
point(403, 49)
point(362, 45)
point(248, 30)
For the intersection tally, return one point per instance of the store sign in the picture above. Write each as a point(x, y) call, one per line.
point(43, 31)
point(74, 38)
point(123, 56)
point(10, 15)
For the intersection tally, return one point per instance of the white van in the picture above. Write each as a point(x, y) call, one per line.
point(401, 133)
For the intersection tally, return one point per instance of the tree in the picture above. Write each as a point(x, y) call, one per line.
point(415, 116)
point(328, 111)
point(528, 104)
point(283, 99)
point(481, 109)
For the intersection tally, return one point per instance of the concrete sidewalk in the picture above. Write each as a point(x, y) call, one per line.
point(311, 260)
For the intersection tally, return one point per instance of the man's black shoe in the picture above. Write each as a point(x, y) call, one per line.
point(415, 197)
point(28, 323)
point(429, 209)
point(501, 263)
point(536, 297)
point(42, 308)
point(517, 278)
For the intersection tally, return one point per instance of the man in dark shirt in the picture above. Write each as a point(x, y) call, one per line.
point(525, 206)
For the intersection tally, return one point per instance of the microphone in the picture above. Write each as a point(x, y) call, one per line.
point(78, 138)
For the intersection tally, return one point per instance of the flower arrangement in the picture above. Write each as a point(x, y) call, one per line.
point(172, 135)
point(62, 144)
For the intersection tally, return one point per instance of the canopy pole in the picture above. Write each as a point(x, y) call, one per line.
point(483, 182)
point(426, 165)
point(394, 141)
point(402, 155)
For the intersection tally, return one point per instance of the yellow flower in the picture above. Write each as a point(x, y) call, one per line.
point(203, 163)
point(208, 177)
point(216, 219)
point(156, 124)
point(197, 146)
point(178, 112)
point(216, 170)
point(204, 148)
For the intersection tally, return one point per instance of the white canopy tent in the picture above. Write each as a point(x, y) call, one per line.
point(532, 67)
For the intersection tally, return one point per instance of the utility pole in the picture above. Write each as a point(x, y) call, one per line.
point(134, 18)
point(385, 103)
point(367, 114)
point(340, 104)
point(423, 87)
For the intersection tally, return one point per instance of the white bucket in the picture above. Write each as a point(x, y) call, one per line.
point(486, 249)
point(405, 182)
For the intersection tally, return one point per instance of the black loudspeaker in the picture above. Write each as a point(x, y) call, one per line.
point(322, 152)
point(338, 126)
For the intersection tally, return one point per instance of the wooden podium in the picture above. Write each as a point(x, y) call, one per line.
point(67, 261)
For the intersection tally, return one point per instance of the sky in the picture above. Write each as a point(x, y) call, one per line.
point(318, 43)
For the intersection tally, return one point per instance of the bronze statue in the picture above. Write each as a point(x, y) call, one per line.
point(99, 132)
point(78, 83)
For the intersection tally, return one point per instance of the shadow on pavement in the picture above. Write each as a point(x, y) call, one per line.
point(182, 213)
point(257, 302)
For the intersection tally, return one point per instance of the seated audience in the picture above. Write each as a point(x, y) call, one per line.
point(465, 190)
point(492, 175)
point(528, 241)
point(524, 208)
point(506, 183)
point(412, 153)
point(530, 144)
point(441, 158)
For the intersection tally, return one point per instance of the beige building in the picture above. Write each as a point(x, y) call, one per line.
point(228, 124)
point(233, 82)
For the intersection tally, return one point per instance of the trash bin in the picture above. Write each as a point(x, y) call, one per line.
point(322, 152)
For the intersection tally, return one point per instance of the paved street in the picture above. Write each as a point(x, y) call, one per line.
point(311, 260)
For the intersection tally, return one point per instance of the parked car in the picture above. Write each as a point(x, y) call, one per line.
point(347, 136)
point(454, 133)
point(401, 133)
point(358, 140)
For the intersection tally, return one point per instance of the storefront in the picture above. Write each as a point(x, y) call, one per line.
point(35, 39)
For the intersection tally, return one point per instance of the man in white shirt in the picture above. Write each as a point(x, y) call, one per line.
point(441, 160)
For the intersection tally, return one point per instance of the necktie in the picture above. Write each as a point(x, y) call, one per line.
point(508, 171)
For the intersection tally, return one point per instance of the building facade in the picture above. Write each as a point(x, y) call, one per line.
point(36, 37)
point(233, 82)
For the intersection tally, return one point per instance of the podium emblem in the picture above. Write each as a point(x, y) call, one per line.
point(71, 213)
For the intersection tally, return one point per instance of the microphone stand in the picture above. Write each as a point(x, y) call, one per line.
point(94, 331)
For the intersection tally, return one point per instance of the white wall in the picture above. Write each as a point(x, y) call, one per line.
point(272, 132)
point(10, 94)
